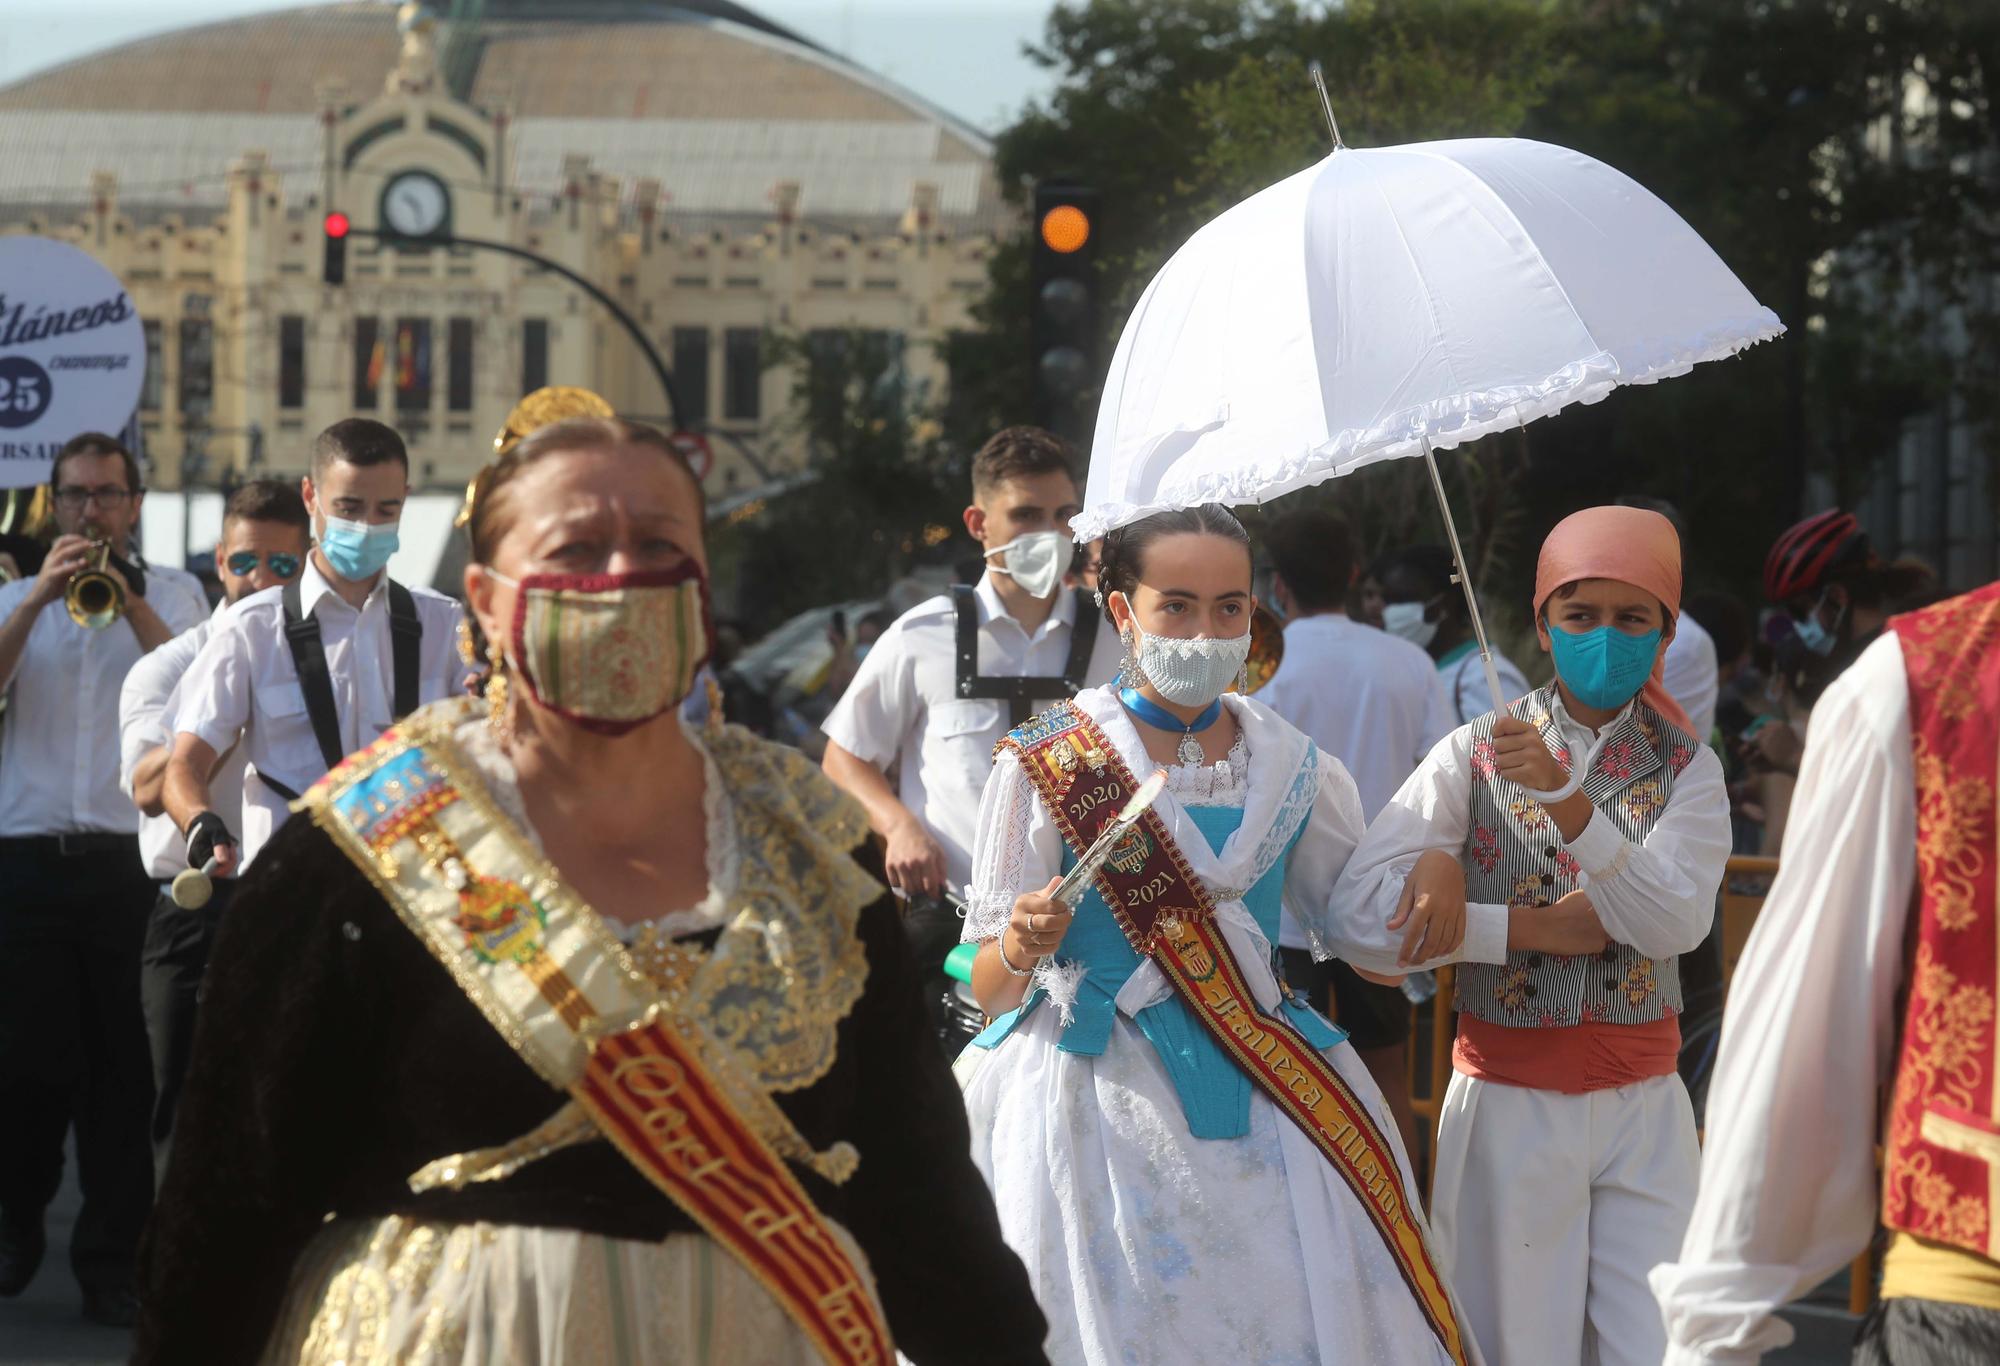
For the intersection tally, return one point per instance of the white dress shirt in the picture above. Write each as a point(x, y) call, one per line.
point(1789, 1191)
point(903, 707)
point(1371, 700)
point(1464, 680)
point(146, 723)
point(243, 684)
point(59, 740)
point(1658, 896)
point(1691, 676)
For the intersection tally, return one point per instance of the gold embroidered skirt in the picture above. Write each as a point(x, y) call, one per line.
point(369, 1291)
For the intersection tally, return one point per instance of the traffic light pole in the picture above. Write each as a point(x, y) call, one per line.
point(611, 305)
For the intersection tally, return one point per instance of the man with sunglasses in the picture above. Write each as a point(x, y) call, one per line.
point(263, 545)
point(73, 913)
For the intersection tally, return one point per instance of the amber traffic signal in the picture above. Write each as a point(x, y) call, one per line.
point(1064, 330)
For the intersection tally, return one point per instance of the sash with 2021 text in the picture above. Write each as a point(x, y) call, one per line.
point(1167, 915)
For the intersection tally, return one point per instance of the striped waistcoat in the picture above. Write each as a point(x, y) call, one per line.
point(1515, 856)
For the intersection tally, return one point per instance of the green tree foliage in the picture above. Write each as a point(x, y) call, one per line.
point(880, 488)
point(1838, 154)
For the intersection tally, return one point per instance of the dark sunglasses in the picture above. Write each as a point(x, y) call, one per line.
point(244, 563)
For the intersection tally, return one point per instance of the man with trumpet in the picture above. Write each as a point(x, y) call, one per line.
point(72, 922)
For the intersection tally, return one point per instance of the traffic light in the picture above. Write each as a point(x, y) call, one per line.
point(337, 226)
point(1064, 333)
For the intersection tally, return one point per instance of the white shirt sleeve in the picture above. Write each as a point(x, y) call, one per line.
point(1788, 1185)
point(1430, 811)
point(1659, 896)
point(1017, 849)
point(215, 693)
point(185, 606)
point(1691, 676)
point(145, 717)
point(880, 706)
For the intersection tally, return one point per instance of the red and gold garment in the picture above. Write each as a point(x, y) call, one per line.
point(1941, 1177)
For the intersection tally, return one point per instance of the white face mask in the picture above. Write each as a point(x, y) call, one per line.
point(1406, 619)
point(1036, 561)
point(1192, 673)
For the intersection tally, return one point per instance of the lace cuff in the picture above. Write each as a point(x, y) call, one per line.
point(1014, 849)
point(986, 914)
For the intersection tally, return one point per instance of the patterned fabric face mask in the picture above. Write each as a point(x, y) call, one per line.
point(611, 651)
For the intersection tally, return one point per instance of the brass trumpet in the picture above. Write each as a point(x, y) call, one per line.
point(1267, 648)
point(95, 598)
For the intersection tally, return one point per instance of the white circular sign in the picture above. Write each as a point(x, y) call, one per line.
point(72, 353)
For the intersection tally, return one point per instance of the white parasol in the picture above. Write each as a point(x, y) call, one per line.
point(1390, 301)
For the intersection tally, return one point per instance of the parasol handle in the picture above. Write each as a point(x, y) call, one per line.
point(1464, 579)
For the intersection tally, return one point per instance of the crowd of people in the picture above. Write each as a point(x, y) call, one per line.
point(520, 1008)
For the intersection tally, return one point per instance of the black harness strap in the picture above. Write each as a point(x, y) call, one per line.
point(1022, 692)
point(406, 634)
point(406, 638)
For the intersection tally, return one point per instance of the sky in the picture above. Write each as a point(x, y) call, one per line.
point(962, 55)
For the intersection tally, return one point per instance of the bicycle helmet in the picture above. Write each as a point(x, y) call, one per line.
point(1803, 557)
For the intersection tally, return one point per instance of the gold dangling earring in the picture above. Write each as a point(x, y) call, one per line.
point(467, 651)
point(497, 714)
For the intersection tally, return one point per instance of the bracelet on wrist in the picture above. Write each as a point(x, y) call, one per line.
point(1008, 963)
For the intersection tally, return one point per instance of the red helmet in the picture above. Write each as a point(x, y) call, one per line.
point(1803, 556)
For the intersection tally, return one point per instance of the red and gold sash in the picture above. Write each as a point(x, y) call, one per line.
point(1167, 915)
point(557, 985)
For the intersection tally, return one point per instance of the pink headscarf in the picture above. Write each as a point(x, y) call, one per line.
point(1631, 545)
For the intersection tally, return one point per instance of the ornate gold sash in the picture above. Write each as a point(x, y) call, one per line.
point(550, 977)
point(1167, 915)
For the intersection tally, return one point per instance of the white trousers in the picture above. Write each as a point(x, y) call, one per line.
point(1550, 1209)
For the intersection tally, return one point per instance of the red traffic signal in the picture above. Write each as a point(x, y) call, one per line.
point(337, 227)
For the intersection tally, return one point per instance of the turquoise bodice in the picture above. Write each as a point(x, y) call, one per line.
point(1214, 1092)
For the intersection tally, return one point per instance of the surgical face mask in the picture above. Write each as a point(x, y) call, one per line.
point(1603, 668)
point(1192, 673)
point(1406, 619)
point(611, 651)
point(357, 550)
point(1036, 561)
point(1814, 634)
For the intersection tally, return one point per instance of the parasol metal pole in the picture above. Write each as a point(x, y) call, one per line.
point(1318, 74)
point(1464, 579)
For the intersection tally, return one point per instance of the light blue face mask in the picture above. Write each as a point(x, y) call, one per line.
point(1816, 635)
point(357, 550)
point(1603, 668)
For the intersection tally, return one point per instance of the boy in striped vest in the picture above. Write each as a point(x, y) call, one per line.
point(1590, 818)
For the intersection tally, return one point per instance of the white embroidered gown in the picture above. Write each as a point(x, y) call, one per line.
point(1148, 1246)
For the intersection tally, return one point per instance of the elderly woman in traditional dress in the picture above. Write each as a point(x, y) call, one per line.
point(567, 1032)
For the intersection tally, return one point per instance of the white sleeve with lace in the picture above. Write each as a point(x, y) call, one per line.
point(1017, 849)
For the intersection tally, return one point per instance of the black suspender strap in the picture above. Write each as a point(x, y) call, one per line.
point(309, 659)
point(406, 638)
point(1021, 693)
point(406, 634)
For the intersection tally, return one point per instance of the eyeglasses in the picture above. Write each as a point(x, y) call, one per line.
point(73, 499)
point(244, 563)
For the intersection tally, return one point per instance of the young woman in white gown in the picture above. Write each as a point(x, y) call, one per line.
point(1166, 1210)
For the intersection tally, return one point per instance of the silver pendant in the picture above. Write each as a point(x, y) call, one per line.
point(1190, 750)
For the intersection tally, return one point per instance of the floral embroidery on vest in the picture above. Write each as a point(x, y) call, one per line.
point(1485, 847)
point(1513, 855)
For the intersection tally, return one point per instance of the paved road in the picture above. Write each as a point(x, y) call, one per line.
point(45, 1328)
